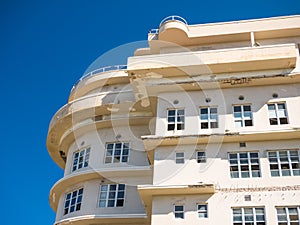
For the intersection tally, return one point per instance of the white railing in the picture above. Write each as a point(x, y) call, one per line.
point(153, 31)
point(173, 18)
point(100, 70)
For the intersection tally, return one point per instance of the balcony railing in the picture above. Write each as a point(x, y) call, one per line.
point(99, 70)
point(173, 18)
point(153, 31)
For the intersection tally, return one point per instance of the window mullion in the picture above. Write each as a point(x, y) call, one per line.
point(249, 164)
point(115, 200)
point(107, 195)
point(175, 119)
point(239, 165)
point(243, 216)
point(298, 209)
point(287, 215)
point(290, 163)
point(113, 153)
point(243, 118)
point(84, 155)
point(278, 163)
point(121, 154)
point(277, 115)
point(254, 215)
point(208, 117)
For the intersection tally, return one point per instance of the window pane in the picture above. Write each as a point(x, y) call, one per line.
point(171, 112)
point(237, 108)
point(204, 110)
point(213, 110)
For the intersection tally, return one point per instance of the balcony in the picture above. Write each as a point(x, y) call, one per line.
point(80, 111)
point(244, 59)
point(120, 174)
point(98, 78)
point(148, 191)
point(92, 101)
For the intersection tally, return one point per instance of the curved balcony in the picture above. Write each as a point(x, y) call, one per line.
point(82, 109)
point(172, 19)
point(173, 28)
point(92, 101)
point(142, 174)
point(98, 78)
point(106, 219)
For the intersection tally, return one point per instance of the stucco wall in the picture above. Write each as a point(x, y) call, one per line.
point(258, 97)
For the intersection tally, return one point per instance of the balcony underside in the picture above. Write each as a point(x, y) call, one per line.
point(215, 61)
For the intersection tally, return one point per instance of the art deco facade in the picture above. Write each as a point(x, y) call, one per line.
point(202, 127)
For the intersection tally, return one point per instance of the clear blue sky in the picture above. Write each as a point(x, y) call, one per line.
point(45, 46)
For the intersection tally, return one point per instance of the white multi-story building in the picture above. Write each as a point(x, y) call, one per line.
point(202, 127)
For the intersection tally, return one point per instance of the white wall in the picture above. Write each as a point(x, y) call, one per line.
point(258, 97)
point(89, 206)
point(217, 168)
point(97, 140)
point(220, 206)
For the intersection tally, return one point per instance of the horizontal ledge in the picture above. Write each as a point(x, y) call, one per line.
point(104, 218)
point(156, 190)
point(152, 141)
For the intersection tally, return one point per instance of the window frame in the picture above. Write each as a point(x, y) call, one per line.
point(113, 154)
point(85, 159)
point(243, 215)
point(179, 159)
point(77, 201)
point(242, 119)
point(287, 214)
point(277, 113)
point(205, 211)
point(240, 165)
point(179, 120)
point(178, 212)
point(108, 196)
point(209, 120)
point(280, 163)
point(200, 159)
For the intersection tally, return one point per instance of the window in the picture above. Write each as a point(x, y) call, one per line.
point(117, 152)
point(201, 158)
point(277, 114)
point(242, 115)
point(244, 165)
point(209, 117)
point(249, 216)
point(284, 163)
point(112, 195)
point(288, 215)
point(179, 157)
point(202, 210)
point(73, 201)
point(176, 119)
point(179, 211)
point(81, 159)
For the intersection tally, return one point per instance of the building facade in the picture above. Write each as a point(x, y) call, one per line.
point(201, 127)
